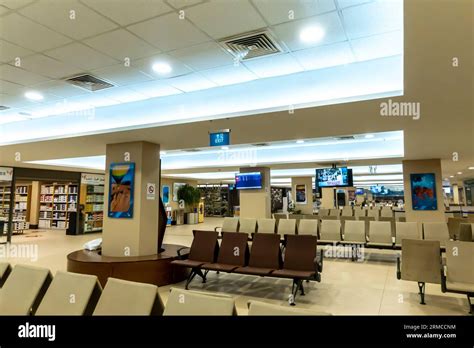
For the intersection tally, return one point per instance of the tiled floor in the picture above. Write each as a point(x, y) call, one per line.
point(369, 287)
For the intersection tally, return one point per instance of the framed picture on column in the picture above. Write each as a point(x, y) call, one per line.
point(300, 194)
point(423, 191)
point(121, 190)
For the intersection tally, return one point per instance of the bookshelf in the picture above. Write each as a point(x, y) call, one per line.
point(57, 201)
point(94, 208)
point(21, 208)
point(5, 203)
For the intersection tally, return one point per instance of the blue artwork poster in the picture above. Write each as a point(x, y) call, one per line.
point(423, 191)
point(122, 176)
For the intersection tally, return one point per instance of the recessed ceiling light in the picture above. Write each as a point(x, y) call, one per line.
point(471, 168)
point(311, 34)
point(225, 148)
point(162, 68)
point(300, 141)
point(451, 176)
point(162, 152)
point(459, 173)
point(369, 136)
point(34, 95)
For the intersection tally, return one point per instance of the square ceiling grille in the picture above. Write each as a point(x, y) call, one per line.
point(251, 45)
point(89, 83)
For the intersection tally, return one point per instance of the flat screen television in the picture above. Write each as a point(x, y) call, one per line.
point(248, 181)
point(334, 177)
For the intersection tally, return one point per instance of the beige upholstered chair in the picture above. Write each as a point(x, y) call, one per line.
point(248, 225)
point(454, 225)
point(123, 297)
point(380, 233)
point(23, 290)
point(360, 212)
point(347, 211)
point(420, 262)
point(323, 212)
point(458, 274)
point(308, 227)
point(297, 217)
point(187, 302)
point(266, 226)
point(392, 223)
point(286, 226)
point(436, 231)
point(262, 308)
point(354, 232)
point(230, 224)
point(5, 270)
point(386, 212)
point(374, 212)
point(70, 294)
point(406, 230)
point(335, 212)
point(330, 231)
point(279, 216)
point(346, 218)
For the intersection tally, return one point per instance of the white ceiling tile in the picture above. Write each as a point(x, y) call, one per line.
point(282, 64)
point(126, 12)
point(325, 56)
point(121, 94)
point(60, 88)
point(225, 18)
point(373, 18)
point(11, 116)
point(7, 87)
point(8, 52)
point(279, 11)
point(23, 32)
point(81, 56)
point(330, 23)
point(68, 17)
point(348, 3)
point(3, 10)
point(47, 66)
point(120, 44)
point(145, 65)
point(14, 4)
point(169, 32)
point(20, 76)
point(191, 82)
point(178, 4)
point(204, 56)
point(14, 101)
point(154, 89)
point(92, 99)
point(121, 75)
point(378, 46)
point(229, 75)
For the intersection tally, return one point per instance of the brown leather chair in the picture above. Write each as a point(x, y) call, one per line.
point(465, 233)
point(265, 255)
point(204, 249)
point(300, 262)
point(233, 253)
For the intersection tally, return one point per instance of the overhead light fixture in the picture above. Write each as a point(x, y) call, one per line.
point(459, 173)
point(451, 176)
point(162, 152)
point(300, 141)
point(369, 136)
point(311, 34)
point(162, 68)
point(225, 148)
point(471, 168)
point(33, 95)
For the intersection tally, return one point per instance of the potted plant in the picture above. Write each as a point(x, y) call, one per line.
point(191, 197)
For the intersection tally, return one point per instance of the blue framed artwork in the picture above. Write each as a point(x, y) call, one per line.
point(166, 194)
point(121, 188)
point(423, 191)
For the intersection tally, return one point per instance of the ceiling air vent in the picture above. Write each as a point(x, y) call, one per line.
point(251, 45)
point(260, 144)
point(349, 137)
point(89, 82)
point(3, 107)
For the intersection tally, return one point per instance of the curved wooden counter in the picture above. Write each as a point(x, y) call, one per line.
point(154, 269)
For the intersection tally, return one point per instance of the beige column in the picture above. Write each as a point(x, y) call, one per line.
point(136, 236)
point(307, 181)
point(423, 167)
point(455, 194)
point(256, 203)
point(35, 203)
point(327, 198)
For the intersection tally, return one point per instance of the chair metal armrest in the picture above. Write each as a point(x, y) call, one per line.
point(181, 257)
point(218, 229)
point(318, 264)
point(399, 271)
point(442, 270)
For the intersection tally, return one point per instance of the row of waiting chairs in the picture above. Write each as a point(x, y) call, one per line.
point(349, 211)
point(264, 259)
point(29, 290)
point(421, 261)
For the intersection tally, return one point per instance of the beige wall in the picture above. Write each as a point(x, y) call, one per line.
point(306, 208)
point(327, 199)
point(139, 234)
point(256, 203)
point(169, 182)
point(423, 166)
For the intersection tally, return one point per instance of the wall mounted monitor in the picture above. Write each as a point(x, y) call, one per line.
point(333, 177)
point(248, 181)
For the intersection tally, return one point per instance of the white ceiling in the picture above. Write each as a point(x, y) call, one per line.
point(52, 46)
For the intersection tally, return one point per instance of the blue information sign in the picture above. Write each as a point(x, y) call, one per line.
point(219, 139)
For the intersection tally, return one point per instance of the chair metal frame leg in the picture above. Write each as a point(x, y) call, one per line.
point(421, 287)
point(471, 306)
point(191, 276)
